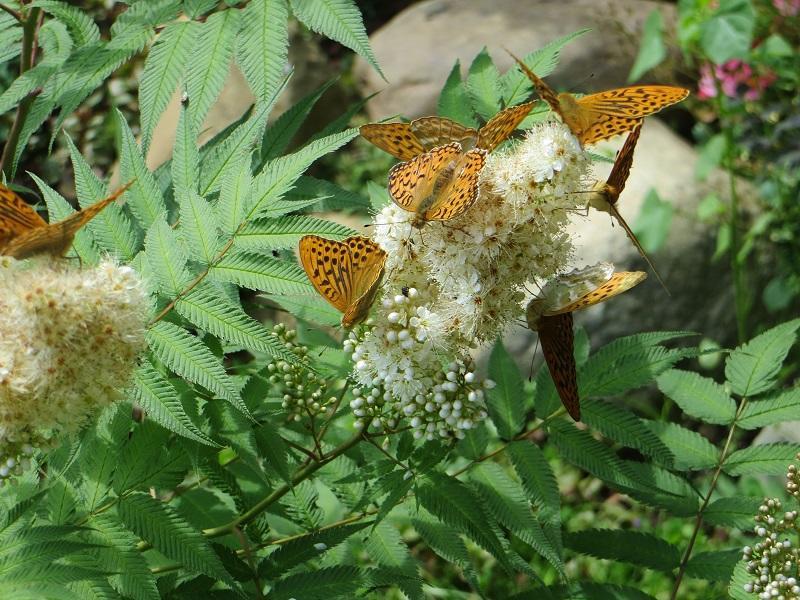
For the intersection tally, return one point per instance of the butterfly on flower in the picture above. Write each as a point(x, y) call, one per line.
point(407, 140)
point(551, 316)
point(605, 195)
point(347, 273)
point(23, 233)
point(605, 114)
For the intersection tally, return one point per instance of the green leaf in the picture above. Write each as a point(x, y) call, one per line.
point(144, 196)
point(711, 154)
point(185, 162)
point(233, 197)
point(341, 21)
point(211, 57)
point(163, 68)
point(713, 566)
point(505, 403)
point(698, 396)
point(263, 273)
point(660, 488)
point(273, 449)
point(159, 398)
point(537, 478)
point(740, 577)
point(333, 197)
point(764, 459)
point(454, 101)
point(190, 358)
point(276, 234)
point(634, 547)
point(690, 450)
point(262, 45)
point(754, 367)
point(81, 27)
point(99, 454)
point(651, 49)
point(321, 584)
point(454, 504)
point(729, 32)
point(308, 308)
point(483, 85)
point(781, 408)
point(736, 511)
point(159, 524)
point(166, 258)
point(199, 228)
point(517, 86)
point(447, 544)
point(652, 225)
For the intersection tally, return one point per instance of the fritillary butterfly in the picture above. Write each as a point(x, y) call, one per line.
point(23, 233)
point(603, 115)
point(347, 274)
point(551, 317)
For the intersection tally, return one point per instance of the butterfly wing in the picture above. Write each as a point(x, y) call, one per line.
point(622, 166)
point(618, 283)
point(558, 347)
point(368, 261)
point(411, 183)
point(438, 131)
point(395, 138)
point(16, 217)
point(462, 189)
point(327, 264)
point(545, 92)
point(501, 126)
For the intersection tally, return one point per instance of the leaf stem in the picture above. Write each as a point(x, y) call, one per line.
point(30, 27)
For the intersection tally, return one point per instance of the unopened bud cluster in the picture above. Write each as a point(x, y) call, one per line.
point(69, 342)
point(774, 560)
point(304, 393)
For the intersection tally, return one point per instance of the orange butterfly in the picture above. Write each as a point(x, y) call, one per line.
point(23, 233)
point(605, 195)
point(438, 185)
point(551, 317)
point(603, 115)
point(407, 140)
point(347, 274)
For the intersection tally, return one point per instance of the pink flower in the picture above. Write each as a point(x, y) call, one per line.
point(787, 8)
point(735, 78)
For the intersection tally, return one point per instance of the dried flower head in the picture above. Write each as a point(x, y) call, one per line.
point(69, 341)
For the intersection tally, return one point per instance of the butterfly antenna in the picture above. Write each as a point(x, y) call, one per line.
point(642, 253)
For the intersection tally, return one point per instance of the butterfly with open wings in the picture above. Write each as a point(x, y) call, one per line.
point(551, 316)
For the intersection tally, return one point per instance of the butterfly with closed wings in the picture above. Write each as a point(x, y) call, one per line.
point(603, 115)
point(347, 273)
point(23, 233)
point(551, 316)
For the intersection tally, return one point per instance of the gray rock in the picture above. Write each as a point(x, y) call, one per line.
point(418, 47)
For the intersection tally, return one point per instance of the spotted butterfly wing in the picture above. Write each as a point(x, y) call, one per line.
point(53, 238)
point(461, 190)
point(618, 283)
point(16, 216)
point(500, 127)
point(413, 182)
point(438, 131)
point(558, 346)
point(347, 274)
point(395, 138)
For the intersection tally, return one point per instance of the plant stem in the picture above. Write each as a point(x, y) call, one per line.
point(698, 523)
point(29, 30)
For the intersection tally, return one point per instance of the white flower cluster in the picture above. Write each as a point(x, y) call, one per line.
point(69, 341)
point(457, 284)
point(773, 561)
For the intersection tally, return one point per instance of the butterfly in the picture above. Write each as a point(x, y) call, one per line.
point(438, 185)
point(551, 316)
point(603, 115)
point(23, 233)
point(605, 195)
point(407, 140)
point(347, 274)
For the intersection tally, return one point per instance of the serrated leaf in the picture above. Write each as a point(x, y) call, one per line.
point(505, 401)
point(262, 273)
point(198, 228)
point(447, 544)
point(713, 566)
point(340, 20)
point(148, 461)
point(163, 69)
point(166, 258)
point(634, 547)
point(735, 511)
point(308, 308)
point(159, 398)
point(99, 453)
point(262, 45)
point(763, 459)
point(187, 356)
point(537, 478)
point(660, 488)
point(738, 580)
point(780, 408)
point(454, 101)
point(211, 57)
point(277, 234)
point(233, 197)
point(81, 26)
point(272, 447)
point(753, 367)
point(690, 450)
point(483, 85)
point(321, 584)
point(698, 396)
point(185, 163)
point(159, 524)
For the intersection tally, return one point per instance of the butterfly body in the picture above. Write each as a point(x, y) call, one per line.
point(551, 316)
point(347, 273)
point(23, 233)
